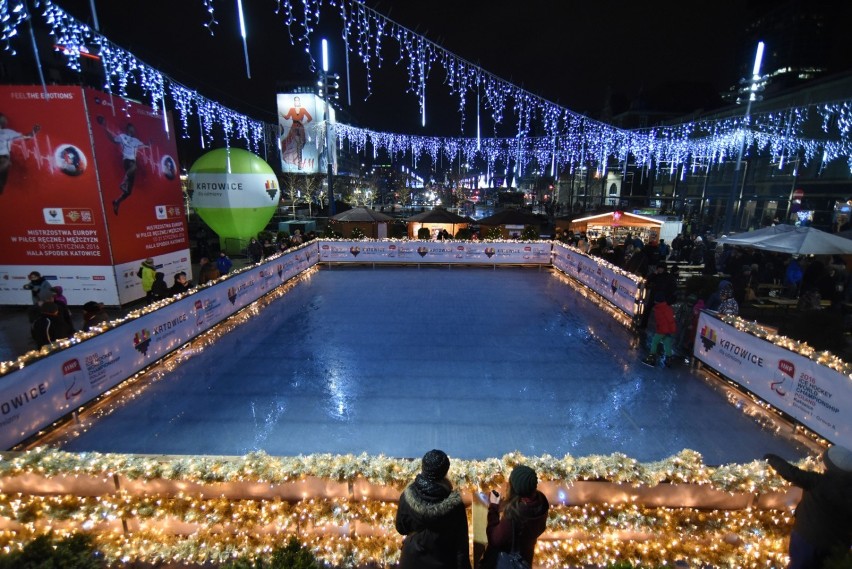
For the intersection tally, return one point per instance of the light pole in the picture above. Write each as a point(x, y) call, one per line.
point(752, 96)
point(328, 147)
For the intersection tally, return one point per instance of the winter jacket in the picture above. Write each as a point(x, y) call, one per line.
point(824, 514)
point(528, 522)
point(49, 328)
point(41, 289)
point(224, 265)
point(433, 519)
point(664, 319)
point(146, 272)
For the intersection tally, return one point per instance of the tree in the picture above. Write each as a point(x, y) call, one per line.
point(291, 188)
point(314, 191)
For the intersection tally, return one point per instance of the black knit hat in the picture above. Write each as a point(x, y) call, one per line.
point(435, 465)
point(523, 480)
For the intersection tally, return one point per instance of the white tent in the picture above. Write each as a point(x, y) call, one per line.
point(791, 239)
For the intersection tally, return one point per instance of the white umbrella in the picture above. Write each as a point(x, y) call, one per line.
point(794, 240)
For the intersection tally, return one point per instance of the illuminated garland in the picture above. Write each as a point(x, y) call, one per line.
point(685, 467)
point(571, 140)
point(824, 358)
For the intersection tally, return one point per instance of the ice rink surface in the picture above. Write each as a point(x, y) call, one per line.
point(396, 361)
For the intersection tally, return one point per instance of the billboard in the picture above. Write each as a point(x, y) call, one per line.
point(300, 119)
point(56, 172)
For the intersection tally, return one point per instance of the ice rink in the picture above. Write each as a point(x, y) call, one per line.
point(396, 361)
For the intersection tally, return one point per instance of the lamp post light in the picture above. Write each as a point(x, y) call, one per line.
point(328, 148)
point(753, 88)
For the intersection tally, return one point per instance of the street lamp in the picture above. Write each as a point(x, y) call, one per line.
point(753, 88)
point(328, 149)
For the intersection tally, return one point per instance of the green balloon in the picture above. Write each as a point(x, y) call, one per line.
point(234, 191)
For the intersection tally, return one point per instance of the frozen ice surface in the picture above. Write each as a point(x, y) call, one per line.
point(474, 361)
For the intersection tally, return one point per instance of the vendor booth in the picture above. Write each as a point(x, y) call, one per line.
point(436, 220)
point(372, 223)
point(512, 222)
point(617, 225)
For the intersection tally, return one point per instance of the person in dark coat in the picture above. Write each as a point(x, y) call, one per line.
point(433, 519)
point(159, 290)
point(49, 326)
point(524, 518)
point(255, 250)
point(181, 285)
point(94, 315)
point(823, 522)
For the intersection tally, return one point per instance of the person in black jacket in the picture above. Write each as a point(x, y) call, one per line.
point(524, 518)
point(49, 326)
point(433, 519)
point(823, 524)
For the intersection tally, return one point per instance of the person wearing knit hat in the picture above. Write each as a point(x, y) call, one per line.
point(523, 480)
point(433, 519)
point(524, 518)
point(823, 519)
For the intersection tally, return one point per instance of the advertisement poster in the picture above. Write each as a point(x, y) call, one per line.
point(300, 124)
point(51, 215)
point(443, 252)
point(616, 286)
point(815, 395)
point(140, 178)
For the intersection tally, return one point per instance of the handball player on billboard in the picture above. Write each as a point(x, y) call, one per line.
point(129, 146)
point(7, 137)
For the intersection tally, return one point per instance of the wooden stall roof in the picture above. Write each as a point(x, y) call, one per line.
point(609, 219)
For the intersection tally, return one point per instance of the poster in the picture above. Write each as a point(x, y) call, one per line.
point(140, 178)
point(300, 133)
point(51, 217)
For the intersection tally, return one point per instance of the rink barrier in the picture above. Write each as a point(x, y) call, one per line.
point(123, 511)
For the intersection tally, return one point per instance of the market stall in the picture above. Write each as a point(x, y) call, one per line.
point(617, 225)
point(436, 220)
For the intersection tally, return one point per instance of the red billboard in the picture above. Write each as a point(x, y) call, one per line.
point(139, 175)
point(60, 175)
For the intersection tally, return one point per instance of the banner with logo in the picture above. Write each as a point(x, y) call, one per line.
point(41, 393)
point(613, 284)
point(476, 252)
point(51, 216)
point(140, 181)
point(815, 395)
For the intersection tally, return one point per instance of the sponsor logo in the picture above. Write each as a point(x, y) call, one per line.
point(422, 251)
point(786, 371)
point(614, 286)
point(708, 338)
point(354, 251)
point(489, 252)
point(141, 341)
point(72, 372)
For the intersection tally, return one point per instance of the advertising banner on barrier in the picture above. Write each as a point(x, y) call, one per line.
point(51, 216)
point(461, 252)
point(815, 395)
point(621, 289)
point(40, 393)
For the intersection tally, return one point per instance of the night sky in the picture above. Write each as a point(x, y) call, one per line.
point(568, 52)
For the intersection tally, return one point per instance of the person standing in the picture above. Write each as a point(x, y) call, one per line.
point(49, 326)
point(181, 284)
point(40, 287)
point(665, 328)
point(255, 250)
point(524, 518)
point(159, 290)
point(432, 517)
point(224, 263)
point(823, 520)
point(147, 271)
point(94, 315)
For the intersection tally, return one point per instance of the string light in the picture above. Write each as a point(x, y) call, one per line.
point(571, 139)
point(205, 498)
